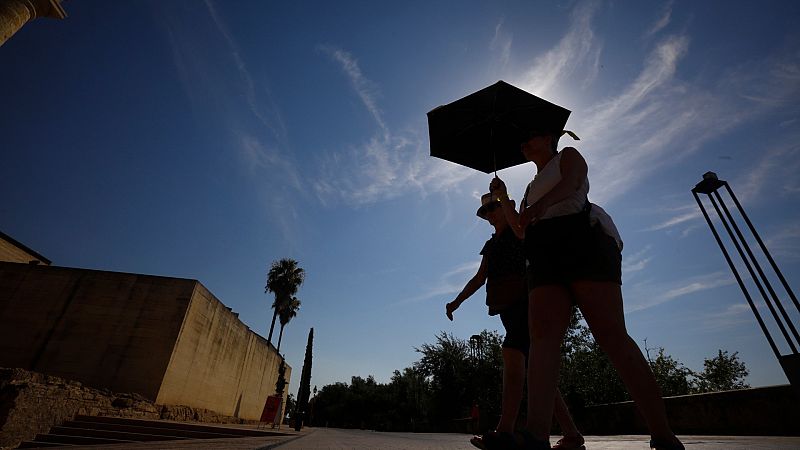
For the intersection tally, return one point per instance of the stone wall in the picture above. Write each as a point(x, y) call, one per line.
point(32, 403)
point(764, 411)
point(105, 329)
point(218, 363)
point(167, 339)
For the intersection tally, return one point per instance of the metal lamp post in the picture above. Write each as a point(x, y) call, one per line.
point(710, 186)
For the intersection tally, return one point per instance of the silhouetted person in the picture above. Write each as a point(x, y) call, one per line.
point(503, 260)
point(572, 261)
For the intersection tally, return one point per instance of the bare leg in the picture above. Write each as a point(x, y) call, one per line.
point(563, 417)
point(513, 380)
point(548, 318)
point(601, 305)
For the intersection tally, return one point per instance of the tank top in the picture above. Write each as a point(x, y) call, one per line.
point(545, 181)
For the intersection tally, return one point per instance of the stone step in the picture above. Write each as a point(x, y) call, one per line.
point(151, 430)
point(78, 440)
point(227, 429)
point(37, 444)
point(94, 432)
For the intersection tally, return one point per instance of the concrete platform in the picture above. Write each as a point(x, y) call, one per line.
point(335, 439)
point(329, 438)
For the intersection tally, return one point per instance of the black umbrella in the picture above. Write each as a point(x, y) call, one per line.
point(484, 130)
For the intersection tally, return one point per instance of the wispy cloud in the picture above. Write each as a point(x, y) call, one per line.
point(501, 44)
point(450, 282)
point(216, 77)
point(643, 298)
point(773, 172)
point(662, 21)
point(777, 168)
point(273, 122)
point(637, 261)
point(366, 89)
point(388, 164)
point(677, 220)
point(784, 243)
point(734, 316)
point(577, 50)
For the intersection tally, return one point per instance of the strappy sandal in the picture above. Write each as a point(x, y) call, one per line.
point(570, 443)
point(662, 444)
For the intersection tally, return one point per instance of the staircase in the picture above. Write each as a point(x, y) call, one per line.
point(98, 430)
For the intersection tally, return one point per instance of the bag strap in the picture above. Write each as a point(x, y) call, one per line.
point(524, 203)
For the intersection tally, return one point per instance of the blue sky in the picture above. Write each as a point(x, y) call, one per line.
point(207, 139)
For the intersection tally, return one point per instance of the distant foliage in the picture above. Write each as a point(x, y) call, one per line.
point(673, 377)
point(453, 373)
point(724, 372)
point(586, 376)
point(462, 373)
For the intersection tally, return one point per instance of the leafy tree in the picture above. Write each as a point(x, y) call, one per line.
point(586, 376)
point(460, 375)
point(281, 383)
point(283, 279)
point(672, 376)
point(723, 372)
point(452, 373)
point(285, 315)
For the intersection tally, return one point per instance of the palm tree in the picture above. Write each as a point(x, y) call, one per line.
point(285, 315)
point(283, 280)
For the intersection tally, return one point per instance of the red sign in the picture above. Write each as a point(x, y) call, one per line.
point(271, 408)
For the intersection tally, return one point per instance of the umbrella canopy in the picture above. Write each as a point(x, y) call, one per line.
point(484, 130)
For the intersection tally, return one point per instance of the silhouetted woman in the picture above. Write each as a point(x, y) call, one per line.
point(570, 260)
point(503, 261)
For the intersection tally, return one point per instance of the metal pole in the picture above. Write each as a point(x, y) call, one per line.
point(760, 272)
point(738, 278)
point(753, 275)
point(763, 247)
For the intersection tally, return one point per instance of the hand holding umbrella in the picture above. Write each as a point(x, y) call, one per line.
point(498, 187)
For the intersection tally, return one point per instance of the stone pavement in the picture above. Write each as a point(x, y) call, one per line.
point(339, 439)
point(330, 438)
point(243, 443)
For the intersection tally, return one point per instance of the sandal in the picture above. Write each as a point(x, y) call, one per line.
point(662, 444)
point(570, 443)
point(477, 441)
point(519, 440)
point(497, 440)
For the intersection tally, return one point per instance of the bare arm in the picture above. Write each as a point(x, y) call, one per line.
point(498, 187)
point(470, 288)
point(573, 174)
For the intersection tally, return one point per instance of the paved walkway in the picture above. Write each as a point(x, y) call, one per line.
point(330, 438)
point(339, 439)
point(243, 443)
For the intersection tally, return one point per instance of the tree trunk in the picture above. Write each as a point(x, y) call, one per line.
point(280, 338)
point(272, 327)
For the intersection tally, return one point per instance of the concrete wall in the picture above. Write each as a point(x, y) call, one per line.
point(168, 339)
point(106, 329)
point(764, 411)
point(218, 363)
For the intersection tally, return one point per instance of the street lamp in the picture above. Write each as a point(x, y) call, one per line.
point(710, 186)
point(476, 346)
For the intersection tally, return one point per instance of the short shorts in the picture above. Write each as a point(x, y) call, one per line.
point(565, 249)
point(515, 321)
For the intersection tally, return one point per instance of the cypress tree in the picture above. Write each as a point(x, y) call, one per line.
point(305, 385)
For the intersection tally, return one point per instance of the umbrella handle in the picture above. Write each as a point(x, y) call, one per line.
point(494, 150)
